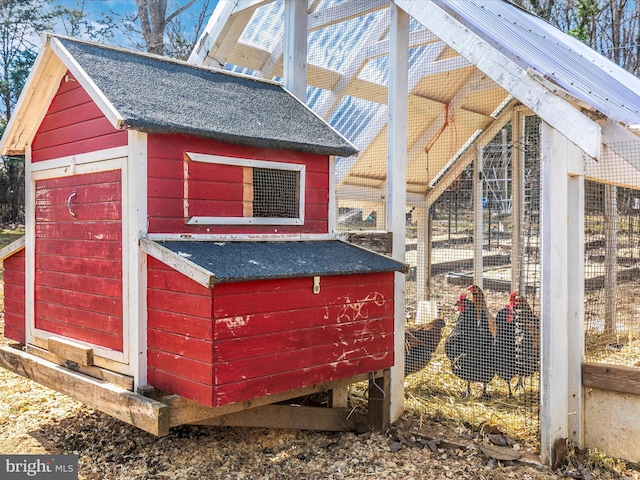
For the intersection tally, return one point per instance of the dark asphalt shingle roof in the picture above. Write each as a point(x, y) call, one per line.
point(157, 95)
point(245, 261)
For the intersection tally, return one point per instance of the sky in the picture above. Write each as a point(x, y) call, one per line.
point(98, 8)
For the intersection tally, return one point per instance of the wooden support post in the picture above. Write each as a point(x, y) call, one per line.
point(338, 397)
point(575, 314)
point(478, 222)
point(610, 258)
point(518, 281)
point(554, 347)
point(379, 402)
point(295, 48)
point(397, 192)
point(423, 263)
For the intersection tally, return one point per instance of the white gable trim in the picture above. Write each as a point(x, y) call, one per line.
point(87, 83)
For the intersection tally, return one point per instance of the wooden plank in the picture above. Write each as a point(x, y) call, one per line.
point(102, 339)
point(373, 240)
point(554, 292)
point(396, 219)
point(284, 382)
point(180, 345)
point(338, 397)
point(294, 67)
point(344, 338)
point(179, 263)
point(292, 417)
point(239, 326)
point(74, 352)
point(617, 378)
point(12, 248)
point(379, 410)
point(129, 407)
point(295, 358)
point(184, 411)
point(124, 381)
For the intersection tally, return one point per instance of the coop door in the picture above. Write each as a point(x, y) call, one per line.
point(77, 290)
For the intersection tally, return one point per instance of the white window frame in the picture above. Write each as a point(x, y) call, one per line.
point(243, 162)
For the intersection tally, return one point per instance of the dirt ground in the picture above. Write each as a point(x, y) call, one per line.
point(37, 420)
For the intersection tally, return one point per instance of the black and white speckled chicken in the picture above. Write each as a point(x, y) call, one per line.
point(527, 338)
point(505, 345)
point(420, 343)
point(470, 347)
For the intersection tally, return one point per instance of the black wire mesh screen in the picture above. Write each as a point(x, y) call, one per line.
point(472, 354)
point(612, 257)
point(275, 193)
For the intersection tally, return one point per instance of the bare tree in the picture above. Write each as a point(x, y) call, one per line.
point(154, 20)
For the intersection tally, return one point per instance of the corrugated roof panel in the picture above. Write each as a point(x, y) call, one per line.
point(533, 43)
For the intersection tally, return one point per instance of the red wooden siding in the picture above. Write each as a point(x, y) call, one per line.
point(247, 340)
point(78, 260)
point(179, 334)
point(273, 336)
point(74, 124)
point(14, 299)
point(166, 187)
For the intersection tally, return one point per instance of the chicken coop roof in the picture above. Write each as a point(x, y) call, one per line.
point(471, 64)
point(157, 95)
point(229, 261)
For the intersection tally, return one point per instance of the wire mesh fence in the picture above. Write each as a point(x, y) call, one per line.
point(485, 367)
point(612, 258)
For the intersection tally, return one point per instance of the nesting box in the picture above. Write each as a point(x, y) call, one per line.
point(179, 233)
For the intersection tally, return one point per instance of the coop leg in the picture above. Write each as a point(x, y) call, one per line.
point(338, 397)
point(379, 404)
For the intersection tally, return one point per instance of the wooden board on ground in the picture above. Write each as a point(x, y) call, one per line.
point(144, 413)
point(293, 417)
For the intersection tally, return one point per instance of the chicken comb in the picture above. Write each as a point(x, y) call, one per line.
point(513, 298)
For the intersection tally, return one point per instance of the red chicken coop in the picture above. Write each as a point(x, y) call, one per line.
point(179, 263)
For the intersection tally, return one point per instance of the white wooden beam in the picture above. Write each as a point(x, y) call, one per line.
point(575, 304)
point(134, 268)
point(222, 32)
point(12, 248)
point(344, 11)
point(478, 220)
point(376, 124)
point(417, 38)
point(517, 201)
point(559, 113)
point(441, 121)
point(554, 346)
point(179, 263)
point(396, 188)
point(352, 67)
point(457, 164)
point(610, 258)
point(32, 105)
point(295, 48)
point(103, 103)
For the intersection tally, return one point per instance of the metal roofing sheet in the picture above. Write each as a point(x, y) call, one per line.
point(247, 260)
point(158, 95)
point(533, 43)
